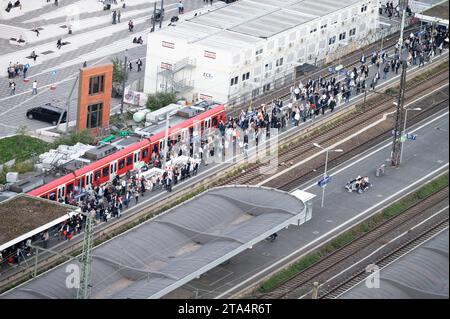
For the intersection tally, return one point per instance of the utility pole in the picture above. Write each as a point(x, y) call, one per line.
point(162, 14)
point(123, 83)
point(86, 258)
point(68, 104)
point(154, 18)
point(399, 120)
point(403, 4)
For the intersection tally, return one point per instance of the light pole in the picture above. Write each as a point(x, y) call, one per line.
point(166, 138)
point(404, 128)
point(123, 82)
point(327, 150)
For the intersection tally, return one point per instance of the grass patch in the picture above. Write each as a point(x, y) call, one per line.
point(393, 210)
point(21, 147)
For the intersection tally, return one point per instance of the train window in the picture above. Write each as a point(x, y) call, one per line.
point(82, 182)
point(155, 148)
point(97, 175)
point(69, 188)
point(44, 196)
point(144, 153)
point(121, 163)
point(105, 171)
point(130, 160)
point(52, 196)
point(214, 121)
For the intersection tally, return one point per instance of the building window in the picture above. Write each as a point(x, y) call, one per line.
point(364, 8)
point(352, 32)
point(268, 66)
point(342, 36)
point(323, 26)
point(234, 80)
point(96, 84)
point(313, 30)
point(94, 115)
point(246, 76)
point(332, 40)
point(280, 61)
point(260, 51)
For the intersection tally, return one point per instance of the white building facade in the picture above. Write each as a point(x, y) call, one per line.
point(243, 47)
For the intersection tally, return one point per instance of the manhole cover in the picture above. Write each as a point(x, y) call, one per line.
point(46, 52)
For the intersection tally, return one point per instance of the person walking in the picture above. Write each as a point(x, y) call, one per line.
point(139, 65)
point(34, 92)
point(130, 26)
point(12, 86)
point(118, 16)
point(45, 237)
point(180, 7)
point(25, 70)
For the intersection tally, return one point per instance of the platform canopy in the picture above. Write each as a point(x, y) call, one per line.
point(170, 250)
point(421, 274)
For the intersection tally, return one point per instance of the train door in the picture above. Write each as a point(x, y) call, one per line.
point(184, 136)
point(69, 188)
point(113, 171)
point(206, 128)
point(137, 157)
point(61, 192)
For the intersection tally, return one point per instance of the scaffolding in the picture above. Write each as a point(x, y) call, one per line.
point(176, 77)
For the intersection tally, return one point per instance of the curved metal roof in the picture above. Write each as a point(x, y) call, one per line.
point(421, 274)
point(168, 251)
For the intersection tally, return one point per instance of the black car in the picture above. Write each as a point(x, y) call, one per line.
point(47, 113)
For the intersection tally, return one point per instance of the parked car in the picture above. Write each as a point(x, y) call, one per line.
point(47, 113)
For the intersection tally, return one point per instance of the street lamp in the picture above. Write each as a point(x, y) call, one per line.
point(123, 82)
point(404, 127)
point(327, 150)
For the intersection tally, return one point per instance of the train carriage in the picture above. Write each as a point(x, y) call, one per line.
point(124, 160)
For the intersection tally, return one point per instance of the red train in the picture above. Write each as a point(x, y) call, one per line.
point(120, 162)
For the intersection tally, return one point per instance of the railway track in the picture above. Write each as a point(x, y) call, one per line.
point(296, 285)
point(302, 149)
point(348, 62)
point(389, 258)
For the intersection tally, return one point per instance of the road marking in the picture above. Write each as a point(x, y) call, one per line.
point(378, 249)
point(327, 234)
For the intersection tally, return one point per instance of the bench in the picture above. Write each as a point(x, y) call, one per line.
point(16, 41)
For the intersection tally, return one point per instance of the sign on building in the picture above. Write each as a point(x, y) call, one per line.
point(169, 45)
point(209, 54)
point(134, 97)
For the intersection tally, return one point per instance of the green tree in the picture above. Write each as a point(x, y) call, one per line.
point(119, 75)
point(159, 100)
